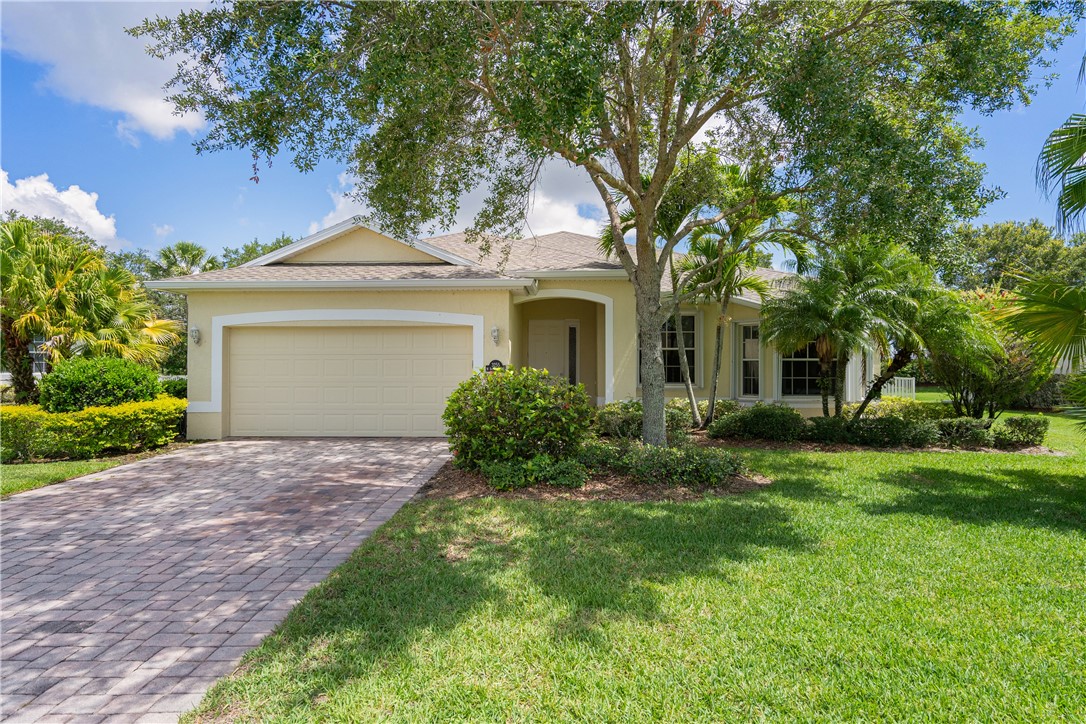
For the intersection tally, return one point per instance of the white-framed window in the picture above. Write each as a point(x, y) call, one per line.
point(669, 343)
point(750, 361)
point(800, 371)
point(39, 357)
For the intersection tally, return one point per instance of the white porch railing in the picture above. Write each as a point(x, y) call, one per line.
point(900, 387)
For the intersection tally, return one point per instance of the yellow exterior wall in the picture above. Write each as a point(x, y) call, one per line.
point(493, 305)
point(362, 245)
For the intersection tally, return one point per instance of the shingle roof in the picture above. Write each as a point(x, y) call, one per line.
point(561, 250)
point(331, 274)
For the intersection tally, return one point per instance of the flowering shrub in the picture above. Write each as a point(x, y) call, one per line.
point(515, 414)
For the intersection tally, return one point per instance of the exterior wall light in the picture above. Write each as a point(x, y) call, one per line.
point(194, 335)
point(495, 334)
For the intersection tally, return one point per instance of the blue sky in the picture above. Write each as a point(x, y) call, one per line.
point(81, 106)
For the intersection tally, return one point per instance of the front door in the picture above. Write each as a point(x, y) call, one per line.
point(552, 346)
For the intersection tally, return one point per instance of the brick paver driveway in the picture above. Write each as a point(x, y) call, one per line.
point(126, 593)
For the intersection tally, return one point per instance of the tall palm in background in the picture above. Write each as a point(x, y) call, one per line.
point(857, 295)
point(181, 259)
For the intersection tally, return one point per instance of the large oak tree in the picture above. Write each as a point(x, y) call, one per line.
point(851, 104)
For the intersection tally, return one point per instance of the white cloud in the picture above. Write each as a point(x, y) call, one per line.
point(37, 196)
point(90, 59)
point(162, 231)
point(560, 195)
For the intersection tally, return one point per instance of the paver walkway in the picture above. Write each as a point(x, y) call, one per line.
point(127, 593)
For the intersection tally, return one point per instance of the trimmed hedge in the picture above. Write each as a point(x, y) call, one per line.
point(1019, 432)
point(28, 432)
point(723, 407)
point(903, 407)
point(873, 432)
point(515, 414)
point(760, 422)
point(685, 465)
point(84, 382)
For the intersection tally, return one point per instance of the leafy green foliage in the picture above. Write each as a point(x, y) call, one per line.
point(760, 422)
point(1059, 168)
point(690, 466)
point(1019, 432)
point(999, 256)
point(60, 288)
point(176, 387)
point(505, 475)
point(514, 414)
point(252, 250)
point(95, 382)
point(721, 407)
point(905, 408)
point(968, 432)
point(623, 419)
point(880, 431)
point(27, 432)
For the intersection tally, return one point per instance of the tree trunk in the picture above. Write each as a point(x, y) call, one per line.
point(19, 363)
point(718, 352)
point(653, 429)
point(901, 358)
point(825, 382)
point(839, 384)
point(684, 367)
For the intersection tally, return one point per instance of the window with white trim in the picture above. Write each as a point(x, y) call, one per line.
point(750, 361)
point(669, 343)
point(801, 370)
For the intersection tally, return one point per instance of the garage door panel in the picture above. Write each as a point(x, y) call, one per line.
point(344, 381)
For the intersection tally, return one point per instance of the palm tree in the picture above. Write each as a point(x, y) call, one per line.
point(59, 289)
point(1051, 316)
point(181, 259)
point(720, 265)
point(857, 295)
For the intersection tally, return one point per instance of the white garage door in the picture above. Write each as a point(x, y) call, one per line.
point(344, 381)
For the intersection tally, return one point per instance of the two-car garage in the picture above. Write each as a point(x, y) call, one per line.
point(342, 380)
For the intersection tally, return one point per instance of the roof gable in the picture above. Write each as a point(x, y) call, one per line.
point(349, 242)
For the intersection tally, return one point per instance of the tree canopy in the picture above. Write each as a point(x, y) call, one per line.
point(1002, 254)
point(850, 104)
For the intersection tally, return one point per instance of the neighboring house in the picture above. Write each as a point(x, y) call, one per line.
point(351, 332)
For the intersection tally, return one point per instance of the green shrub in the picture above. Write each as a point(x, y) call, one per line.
point(623, 419)
point(687, 465)
point(893, 432)
point(97, 382)
point(904, 408)
point(1048, 395)
point(177, 387)
point(28, 432)
point(1019, 432)
point(513, 474)
point(723, 407)
point(515, 414)
point(828, 430)
point(964, 432)
point(760, 422)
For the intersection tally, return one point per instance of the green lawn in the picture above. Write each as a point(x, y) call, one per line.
point(859, 586)
point(28, 476)
point(931, 394)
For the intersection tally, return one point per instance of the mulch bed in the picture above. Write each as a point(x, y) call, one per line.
point(456, 484)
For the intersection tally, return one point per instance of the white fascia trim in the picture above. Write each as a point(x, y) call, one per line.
point(196, 285)
point(221, 322)
point(570, 274)
point(608, 328)
point(355, 222)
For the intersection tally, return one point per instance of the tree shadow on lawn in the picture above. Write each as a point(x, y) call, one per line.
point(605, 562)
point(997, 494)
point(437, 563)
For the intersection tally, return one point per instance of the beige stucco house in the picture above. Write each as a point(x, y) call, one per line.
point(351, 332)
